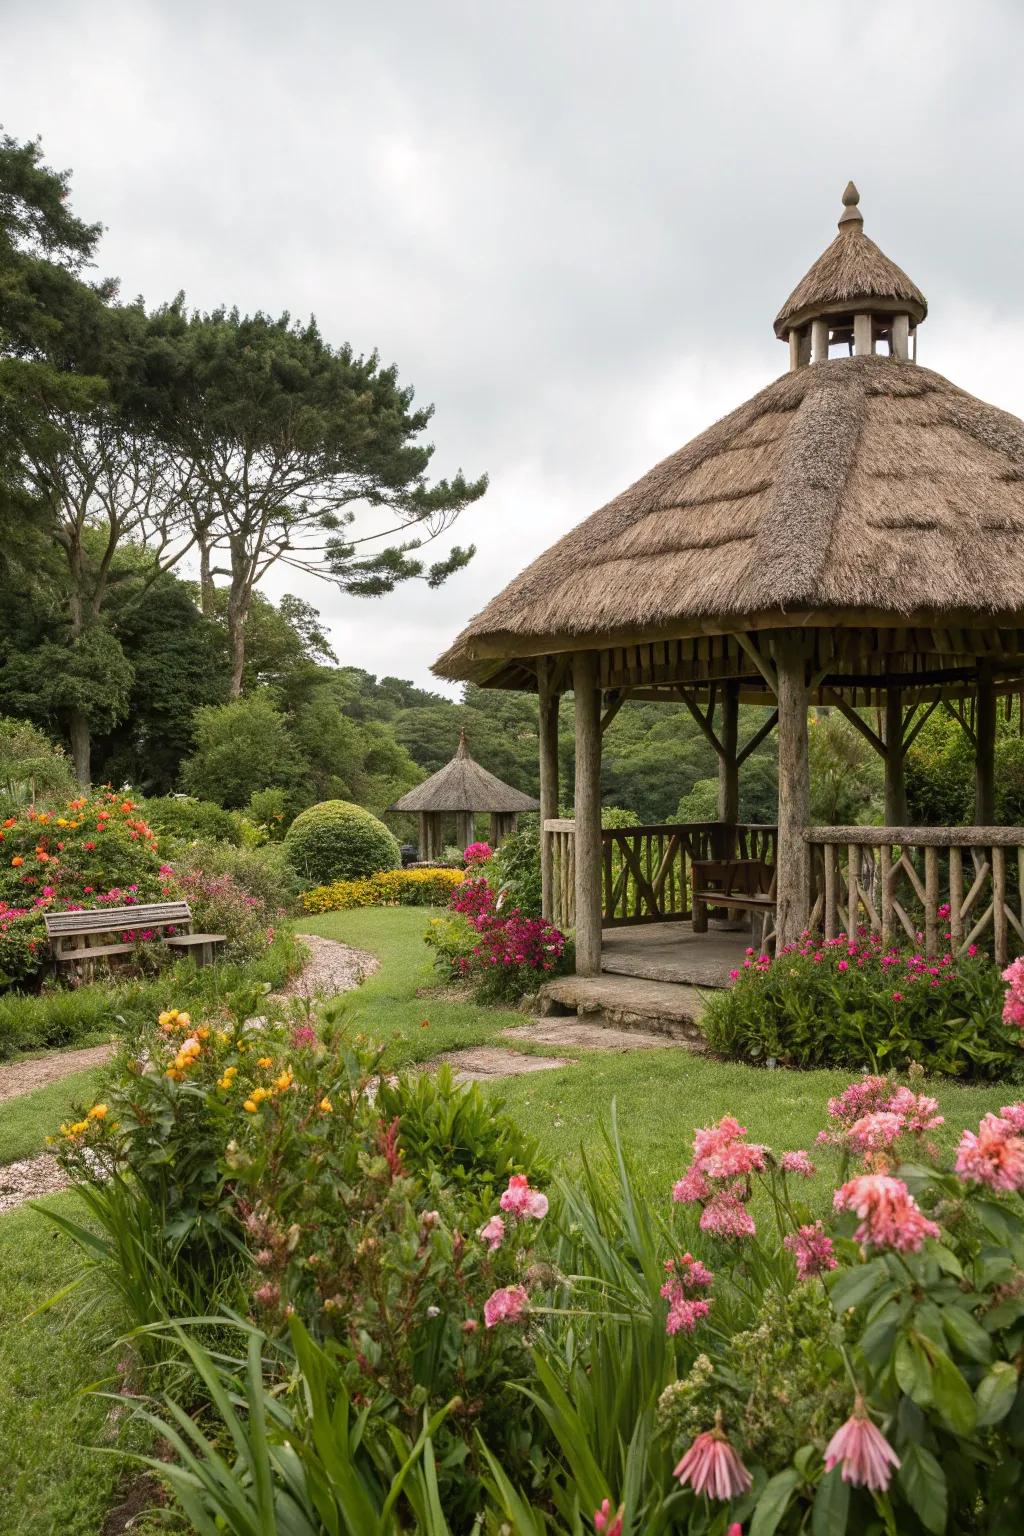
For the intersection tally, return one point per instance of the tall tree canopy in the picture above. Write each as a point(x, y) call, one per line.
point(285, 437)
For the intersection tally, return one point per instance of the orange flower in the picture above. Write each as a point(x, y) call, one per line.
point(17, 860)
point(10, 822)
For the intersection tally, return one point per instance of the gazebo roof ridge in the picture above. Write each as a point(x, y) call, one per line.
point(861, 484)
point(463, 785)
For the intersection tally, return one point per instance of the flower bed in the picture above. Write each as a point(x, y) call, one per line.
point(97, 850)
point(501, 950)
point(858, 1003)
point(561, 1360)
point(389, 888)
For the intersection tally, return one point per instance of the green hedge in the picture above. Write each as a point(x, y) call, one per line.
point(337, 840)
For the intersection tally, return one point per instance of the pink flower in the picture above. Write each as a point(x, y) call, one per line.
point(843, 965)
point(995, 1156)
point(523, 1201)
point(684, 1309)
point(919, 1111)
point(506, 1305)
point(889, 1215)
point(607, 1524)
point(797, 1162)
point(864, 1453)
point(493, 1233)
point(860, 1098)
point(726, 1216)
point(812, 1251)
point(711, 1466)
point(693, 1186)
point(1015, 1114)
point(875, 1132)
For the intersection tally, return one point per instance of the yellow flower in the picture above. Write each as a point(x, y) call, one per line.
point(203, 1033)
point(284, 1081)
point(98, 1112)
point(259, 1094)
point(249, 1107)
point(326, 1105)
point(265, 1061)
point(76, 1129)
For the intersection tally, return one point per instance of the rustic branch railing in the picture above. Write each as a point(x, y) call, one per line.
point(919, 884)
point(647, 871)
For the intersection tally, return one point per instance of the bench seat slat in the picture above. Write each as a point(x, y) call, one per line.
point(110, 919)
point(93, 951)
point(180, 940)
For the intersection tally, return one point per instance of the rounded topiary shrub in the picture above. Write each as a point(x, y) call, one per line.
point(336, 840)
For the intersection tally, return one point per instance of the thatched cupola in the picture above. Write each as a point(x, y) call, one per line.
point(853, 296)
point(463, 790)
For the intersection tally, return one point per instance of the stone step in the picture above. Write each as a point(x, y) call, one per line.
point(628, 1002)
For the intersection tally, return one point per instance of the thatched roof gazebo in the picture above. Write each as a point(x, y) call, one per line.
point(851, 536)
point(463, 790)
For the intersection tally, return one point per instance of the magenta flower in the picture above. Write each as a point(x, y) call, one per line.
point(505, 1305)
point(712, 1466)
point(607, 1524)
point(865, 1455)
point(812, 1251)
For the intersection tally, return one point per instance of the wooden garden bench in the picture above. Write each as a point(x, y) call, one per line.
point(743, 885)
point(72, 935)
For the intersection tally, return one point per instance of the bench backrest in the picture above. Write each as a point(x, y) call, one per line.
point(157, 914)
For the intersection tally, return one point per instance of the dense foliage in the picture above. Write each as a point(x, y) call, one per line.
point(340, 841)
point(502, 951)
point(858, 1003)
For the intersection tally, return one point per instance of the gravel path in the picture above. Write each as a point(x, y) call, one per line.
point(332, 968)
point(19, 1077)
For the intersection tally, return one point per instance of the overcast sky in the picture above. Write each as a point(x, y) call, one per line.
point(569, 223)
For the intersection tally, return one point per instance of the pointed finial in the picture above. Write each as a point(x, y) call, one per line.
point(463, 748)
point(851, 214)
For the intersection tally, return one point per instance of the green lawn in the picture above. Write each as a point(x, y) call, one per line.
point(26, 1122)
point(52, 1479)
point(660, 1095)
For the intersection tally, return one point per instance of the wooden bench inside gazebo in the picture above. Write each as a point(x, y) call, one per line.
point(851, 538)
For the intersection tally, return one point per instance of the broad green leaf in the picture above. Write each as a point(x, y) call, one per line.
point(773, 1503)
point(996, 1392)
point(913, 1372)
point(967, 1334)
point(855, 1285)
point(953, 1397)
point(831, 1505)
point(924, 1484)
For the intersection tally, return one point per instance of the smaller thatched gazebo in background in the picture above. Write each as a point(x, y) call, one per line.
point(464, 790)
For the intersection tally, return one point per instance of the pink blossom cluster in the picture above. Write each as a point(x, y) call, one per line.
point(862, 1451)
point(995, 1155)
point(872, 1114)
point(478, 853)
point(811, 1249)
point(889, 1215)
point(681, 1290)
point(718, 1178)
point(475, 900)
point(605, 1522)
point(505, 1305)
point(712, 1466)
point(1013, 1007)
point(515, 940)
point(852, 953)
point(520, 1203)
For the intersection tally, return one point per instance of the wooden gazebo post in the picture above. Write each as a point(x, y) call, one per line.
point(985, 748)
point(548, 745)
point(587, 699)
point(792, 889)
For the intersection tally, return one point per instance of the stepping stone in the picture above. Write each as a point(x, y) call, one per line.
point(576, 1034)
point(479, 1062)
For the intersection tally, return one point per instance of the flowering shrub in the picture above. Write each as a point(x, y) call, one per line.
point(477, 854)
point(392, 887)
point(504, 953)
point(855, 1002)
point(97, 850)
point(220, 905)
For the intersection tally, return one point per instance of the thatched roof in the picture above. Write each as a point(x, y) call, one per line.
point(860, 485)
point(851, 274)
point(462, 785)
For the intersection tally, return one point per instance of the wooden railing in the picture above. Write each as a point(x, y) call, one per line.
point(920, 884)
point(647, 872)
